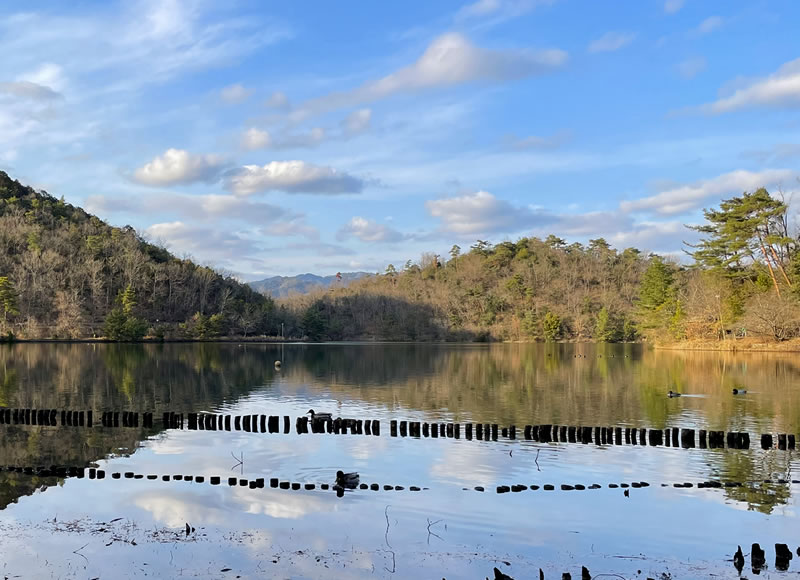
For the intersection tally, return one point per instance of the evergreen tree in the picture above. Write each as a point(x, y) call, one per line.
point(8, 298)
point(551, 327)
point(751, 228)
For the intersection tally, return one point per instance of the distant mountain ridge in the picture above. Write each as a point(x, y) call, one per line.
point(283, 286)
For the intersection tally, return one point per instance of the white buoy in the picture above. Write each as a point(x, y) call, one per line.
point(277, 364)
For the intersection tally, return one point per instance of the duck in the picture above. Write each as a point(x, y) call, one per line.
point(673, 394)
point(346, 480)
point(319, 416)
point(739, 392)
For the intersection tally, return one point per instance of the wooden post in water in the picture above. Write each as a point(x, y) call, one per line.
point(393, 427)
point(766, 441)
point(468, 431)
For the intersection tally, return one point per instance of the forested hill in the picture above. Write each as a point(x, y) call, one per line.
point(65, 274)
point(744, 283)
point(283, 286)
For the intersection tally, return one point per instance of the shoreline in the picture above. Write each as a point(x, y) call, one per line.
point(730, 346)
point(733, 346)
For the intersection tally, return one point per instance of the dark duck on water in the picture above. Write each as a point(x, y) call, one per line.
point(346, 480)
point(673, 394)
point(319, 416)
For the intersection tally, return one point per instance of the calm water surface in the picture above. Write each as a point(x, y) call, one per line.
point(135, 527)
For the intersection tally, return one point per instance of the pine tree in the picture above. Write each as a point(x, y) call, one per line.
point(748, 229)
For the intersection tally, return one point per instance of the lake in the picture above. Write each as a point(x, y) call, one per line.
point(135, 526)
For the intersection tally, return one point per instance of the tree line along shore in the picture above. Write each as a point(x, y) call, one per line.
point(68, 275)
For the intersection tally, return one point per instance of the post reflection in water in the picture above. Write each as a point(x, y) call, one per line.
point(571, 385)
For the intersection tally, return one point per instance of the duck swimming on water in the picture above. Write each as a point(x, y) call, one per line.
point(319, 416)
point(739, 392)
point(346, 480)
point(673, 394)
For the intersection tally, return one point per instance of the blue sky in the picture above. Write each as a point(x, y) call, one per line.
point(273, 138)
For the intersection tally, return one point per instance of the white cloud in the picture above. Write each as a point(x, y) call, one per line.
point(451, 59)
point(292, 227)
point(254, 138)
point(480, 8)
point(691, 67)
point(673, 6)
point(207, 208)
point(235, 94)
point(481, 213)
point(369, 231)
point(292, 177)
point(708, 25)
point(494, 11)
point(322, 249)
point(611, 41)
point(685, 198)
point(207, 243)
point(780, 89)
point(49, 75)
point(357, 122)
point(145, 41)
point(27, 90)
point(278, 100)
point(177, 166)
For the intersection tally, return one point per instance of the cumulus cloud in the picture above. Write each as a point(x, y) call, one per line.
point(235, 94)
point(611, 41)
point(780, 89)
point(292, 177)
point(685, 198)
point(708, 26)
point(691, 67)
point(369, 231)
point(357, 122)
point(673, 6)
point(451, 59)
point(177, 166)
point(481, 213)
point(254, 138)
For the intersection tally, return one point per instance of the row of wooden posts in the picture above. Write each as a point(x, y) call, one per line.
point(258, 483)
point(758, 558)
point(675, 437)
point(670, 437)
point(93, 473)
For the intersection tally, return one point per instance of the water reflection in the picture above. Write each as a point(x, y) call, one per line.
point(613, 385)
